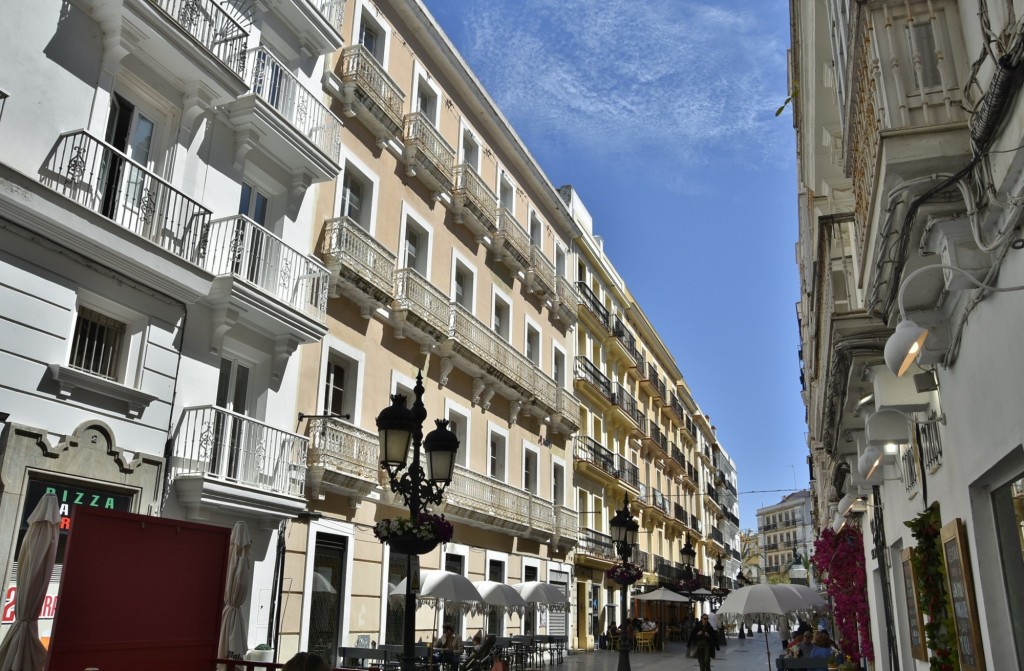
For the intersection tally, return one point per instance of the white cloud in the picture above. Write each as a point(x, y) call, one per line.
point(689, 82)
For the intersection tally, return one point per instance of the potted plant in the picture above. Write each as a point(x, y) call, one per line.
point(261, 653)
point(414, 535)
point(625, 573)
point(849, 665)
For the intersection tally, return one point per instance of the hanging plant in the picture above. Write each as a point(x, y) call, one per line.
point(932, 598)
point(839, 560)
point(625, 573)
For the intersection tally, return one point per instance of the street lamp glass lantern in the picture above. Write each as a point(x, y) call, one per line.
point(719, 570)
point(441, 446)
point(688, 555)
point(395, 426)
point(624, 527)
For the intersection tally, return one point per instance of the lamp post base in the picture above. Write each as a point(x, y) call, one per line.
point(624, 641)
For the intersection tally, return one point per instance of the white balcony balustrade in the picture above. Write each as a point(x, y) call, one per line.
point(368, 93)
point(211, 27)
point(240, 247)
point(343, 459)
point(484, 502)
point(512, 242)
point(361, 268)
point(427, 156)
point(213, 443)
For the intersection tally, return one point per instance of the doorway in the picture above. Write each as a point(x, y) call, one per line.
point(327, 607)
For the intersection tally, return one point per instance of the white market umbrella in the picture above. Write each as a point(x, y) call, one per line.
point(501, 597)
point(768, 601)
point(234, 640)
point(441, 590)
point(544, 595)
point(701, 592)
point(21, 649)
point(810, 597)
point(661, 594)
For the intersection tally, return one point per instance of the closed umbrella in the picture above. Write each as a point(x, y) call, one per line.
point(545, 595)
point(234, 641)
point(22, 650)
point(441, 590)
point(771, 602)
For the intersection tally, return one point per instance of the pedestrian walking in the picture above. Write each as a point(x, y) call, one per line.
point(703, 642)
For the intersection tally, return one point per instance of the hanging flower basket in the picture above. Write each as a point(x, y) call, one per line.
point(625, 573)
point(414, 536)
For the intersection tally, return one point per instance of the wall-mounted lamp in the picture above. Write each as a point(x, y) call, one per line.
point(905, 344)
point(851, 504)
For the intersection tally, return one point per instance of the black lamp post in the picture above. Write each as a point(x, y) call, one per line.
point(399, 426)
point(688, 555)
point(741, 581)
point(624, 532)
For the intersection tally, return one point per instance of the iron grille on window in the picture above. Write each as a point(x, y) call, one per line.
point(96, 347)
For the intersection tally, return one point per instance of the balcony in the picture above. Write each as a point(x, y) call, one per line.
point(421, 311)
point(595, 548)
point(511, 241)
point(343, 459)
point(623, 343)
point(568, 302)
point(223, 462)
point(285, 121)
point(540, 276)
point(590, 381)
point(625, 405)
point(627, 472)
point(595, 312)
point(486, 503)
point(668, 573)
point(595, 459)
point(475, 205)
point(367, 93)
point(195, 41)
point(264, 285)
point(567, 524)
point(695, 523)
point(716, 536)
point(672, 407)
point(362, 269)
point(105, 181)
point(426, 155)
point(652, 384)
point(316, 23)
point(655, 441)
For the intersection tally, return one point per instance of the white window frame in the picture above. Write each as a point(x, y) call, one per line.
point(504, 175)
point(557, 349)
point(420, 75)
point(560, 249)
point(334, 527)
point(465, 129)
point(366, 8)
point(367, 175)
point(333, 344)
point(529, 448)
point(129, 366)
point(450, 408)
point(494, 429)
point(558, 462)
point(499, 295)
point(534, 215)
point(407, 214)
point(527, 325)
point(459, 259)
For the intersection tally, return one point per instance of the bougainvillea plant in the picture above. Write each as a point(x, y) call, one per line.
point(625, 574)
point(932, 598)
point(839, 561)
point(426, 526)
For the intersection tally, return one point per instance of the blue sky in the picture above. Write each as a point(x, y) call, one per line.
point(661, 113)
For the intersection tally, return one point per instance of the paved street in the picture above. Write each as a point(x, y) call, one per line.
point(739, 655)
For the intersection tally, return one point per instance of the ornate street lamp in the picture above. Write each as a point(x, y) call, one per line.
point(688, 555)
point(624, 530)
point(398, 427)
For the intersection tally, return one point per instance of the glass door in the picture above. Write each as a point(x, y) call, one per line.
point(327, 607)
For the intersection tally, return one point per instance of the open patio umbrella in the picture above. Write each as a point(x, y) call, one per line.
point(234, 640)
point(543, 594)
point(810, 597)
point(441, 590)
point(661, 594)
point(501, 597)
point(770, 602)
point(22, 650)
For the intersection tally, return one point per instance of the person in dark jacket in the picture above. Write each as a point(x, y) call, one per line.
point(704, 642)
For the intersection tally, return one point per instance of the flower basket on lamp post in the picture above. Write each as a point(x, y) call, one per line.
point(414, 536)
point(625, 573)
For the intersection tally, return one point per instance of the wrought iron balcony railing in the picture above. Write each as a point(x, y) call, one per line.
point(567, 521)
point(422, 139)
point(566, 293)
point(332, 10)
point(344, 448)
point(510, 236)
point(376, 91)
point(239, 246)
point(99, 177)
point(541, 273)
point(423, 300)
point(567, 404)
point(622, 398)
point(357, 254)
point(217, 443)
point(272, 81)
point(627, 472)
point(472, 194)
point(586, 370)
point(589, 300)
point(589, 450)
point(211, 27)
point(595, 544)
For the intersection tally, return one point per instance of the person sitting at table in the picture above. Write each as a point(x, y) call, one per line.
point(306, 661)
point(447, 647)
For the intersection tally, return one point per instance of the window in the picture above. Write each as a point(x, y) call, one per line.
point(536, 231)
point(356, 191)
point(456, 564)
point(496, 456)
point(530, 574)
point(470, 150)
point(506, 194)
point(341, 375)
point(371, 36)
point(559, 261)
point(502, 316)
point(530, 474)
point(922, 47)
point(96, 346)
point(253, 204)
point(426, 100)
point(417, 251)
point(558, 367)
point(496, 573)
point(458, 423)
point(558, 484)
point(533, 344)
point(462, 285)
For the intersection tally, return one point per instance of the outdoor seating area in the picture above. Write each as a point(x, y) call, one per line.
point(644, 640)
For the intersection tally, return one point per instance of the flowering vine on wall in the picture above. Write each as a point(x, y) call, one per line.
point(839, 561)
point(932, 599)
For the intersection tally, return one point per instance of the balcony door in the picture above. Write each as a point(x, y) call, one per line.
point(327, 607)
point(129, 188)
point(237, 444)
point(255, 253)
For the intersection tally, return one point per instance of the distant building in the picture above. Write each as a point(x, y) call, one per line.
point(785, 530)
